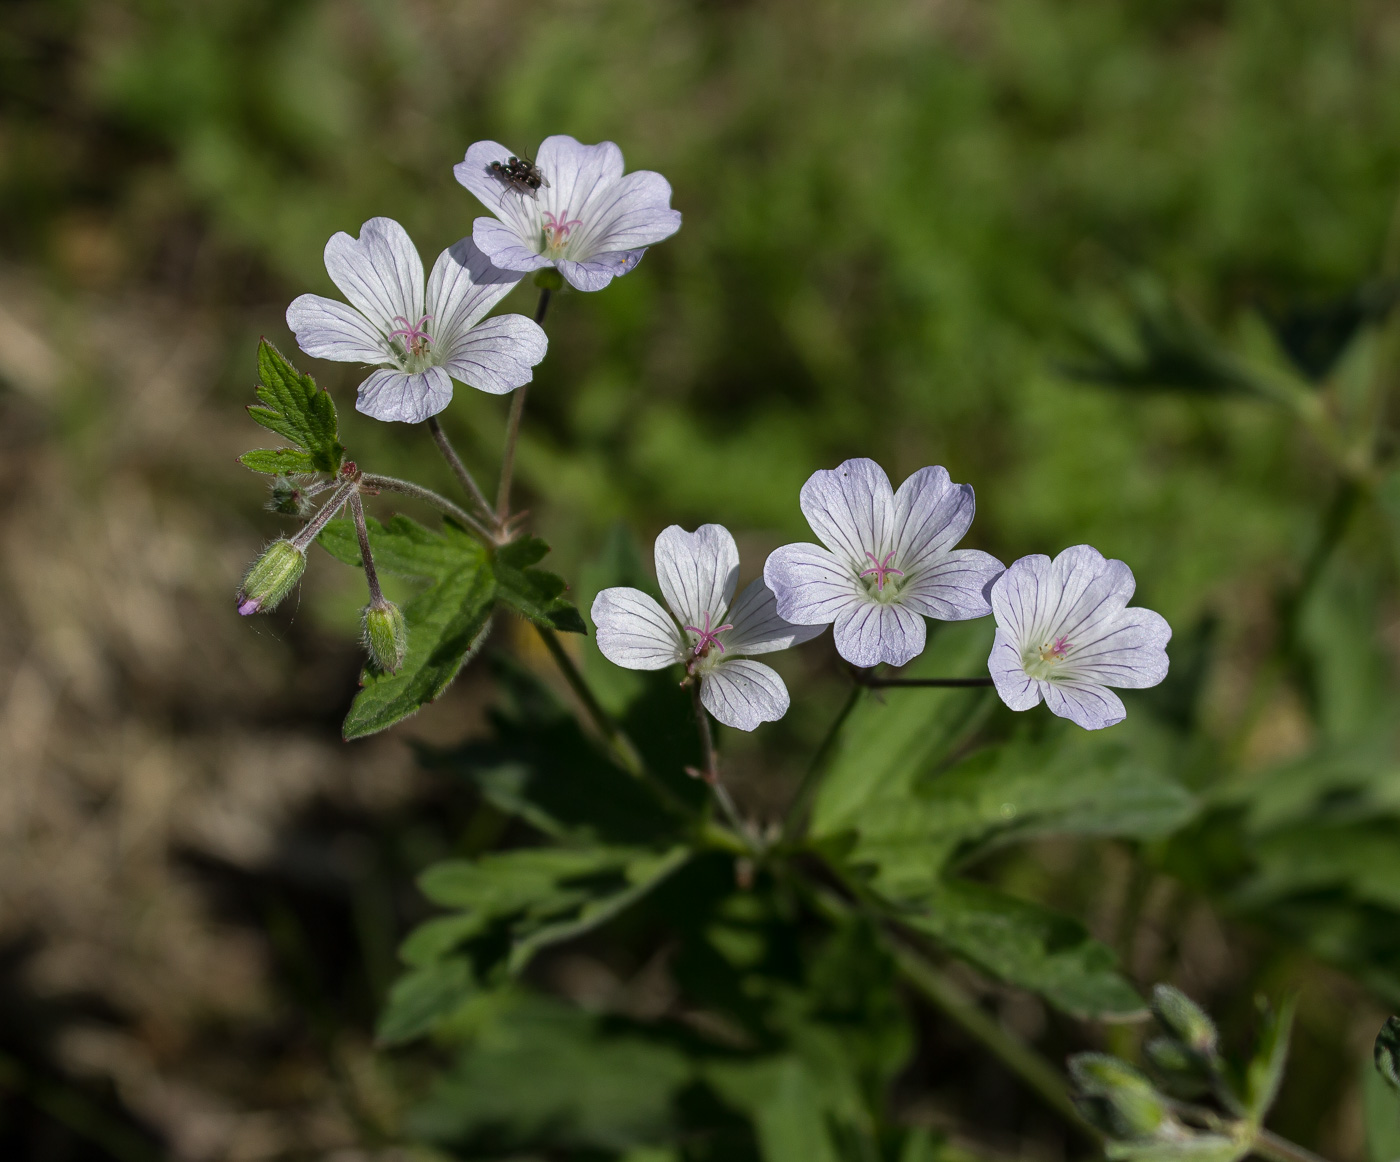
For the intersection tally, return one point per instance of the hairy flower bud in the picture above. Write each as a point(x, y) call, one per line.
point(385, 635)
point(271, 578)
point(1117, 1098)
point(288, 498)
point(1185, 1020)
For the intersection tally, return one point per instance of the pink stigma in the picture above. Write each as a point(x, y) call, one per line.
point(414, 337)
point(557, 230)
point(881, 569)
point(1056, 650)
point(707, 636)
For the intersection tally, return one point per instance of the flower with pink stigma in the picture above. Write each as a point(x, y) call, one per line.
point(706, 630)
point(420, 343)
point(1065, 633)
point(887, 560)
point(585, 216)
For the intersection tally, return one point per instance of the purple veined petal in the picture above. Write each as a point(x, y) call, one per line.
point(851, 509)
point(698, 572)
point(811, 586)
point(1090, 706)
point(1093, 590)
point(599, 270)
point(379, 272)
point(1022, 598)
point(406, 398)
point(634, 631)
point(953, 587)
point(498, 355)
point(463, 286)
point(328, 329)
point(932, 514)
point(634, 212)
point(744, 694)
point(508, 249)
point(1014, 686)
point(1128, 652)
point(870, 632)
point(758, 629)
point(520, 212)
point(578, 175)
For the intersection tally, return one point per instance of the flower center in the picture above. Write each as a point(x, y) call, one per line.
point(556, 232)
point(707, 637)
point(416, 341)
point(1042, 664)
point(881, 569)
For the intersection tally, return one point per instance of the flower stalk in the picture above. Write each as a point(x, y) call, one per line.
point(517, 412)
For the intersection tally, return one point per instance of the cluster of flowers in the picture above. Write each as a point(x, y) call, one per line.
point(887, 559)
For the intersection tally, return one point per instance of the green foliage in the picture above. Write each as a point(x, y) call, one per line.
point(299, 411)
point(1387, 1052)
point(533, 593)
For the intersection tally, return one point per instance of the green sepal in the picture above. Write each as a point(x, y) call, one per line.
point(278, 461)
point(291, 405)
point(534, 593)
point(1116, 1098)
point(1185, 1020)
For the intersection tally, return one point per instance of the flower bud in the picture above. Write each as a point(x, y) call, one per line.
point(271, 578)
point(1116, 1097)
point(288, 498)
point(1185, 1020)
point(385, 635)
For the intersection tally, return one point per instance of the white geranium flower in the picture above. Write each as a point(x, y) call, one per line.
point(573, 209)
point(698, 573)
point(888, 563)
point(420, 344)
point(1065, 634)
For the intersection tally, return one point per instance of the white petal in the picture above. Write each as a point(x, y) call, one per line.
point(810, 584)
point(598, 271)
point(851, 509)
point(463, 286)
point(870, 632)
point(409, 399)
point(1128, 651)
point(380, 272)
point(634, 631)
point(743, 694)
point(953, 587)
point(632, 213)
point(932, 514)
point(1021, 597)
point(698, 572)
point(518, 211)
point(580, 176)
point(1016, 688)
point(757, 627)
point(1092, 707)
point(498, 355)
point(327, 329)
point(504, 247)
point(1092, 590)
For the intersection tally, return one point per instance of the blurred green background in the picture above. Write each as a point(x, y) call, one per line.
point(909, 226)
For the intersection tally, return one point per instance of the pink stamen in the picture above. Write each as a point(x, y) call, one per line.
point(414, 337)
point(558, 229)
point(881, 569)
point(1057, 650)
point(707, 636)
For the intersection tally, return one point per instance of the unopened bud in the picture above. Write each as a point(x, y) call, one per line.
point(1116, 1097)
point(1185, 1020)
point(386, 635)
point(271, 578)
point(288, 498)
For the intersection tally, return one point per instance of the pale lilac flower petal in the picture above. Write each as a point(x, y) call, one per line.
point(698, 572)
point(1023, 597)
point(872, 632)
point(634, 631)
point(744, 694)
point(1015, 687)
point(1092, 707)
point(811, 585)
point(327, 329)
point(758, 629)
point(851, 509)
point(408, 398)
point(503, 245)
point(498, 355)
point(1129, 653)
point(463, 286)
point(579, 175)
point(380, 272)
point(508, 204)
point(633, 213)
point(598, 271)
point(932, 514)
point(954, 587)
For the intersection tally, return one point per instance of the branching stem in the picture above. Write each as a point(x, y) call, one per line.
point(517, 411)
point(428, 496)
point(313, 527)
point(464, 477)
point(710, 768)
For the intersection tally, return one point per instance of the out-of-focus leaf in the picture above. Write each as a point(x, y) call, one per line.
point(1201, 1147)
point(1264, 1074)
point(1380, 1110)
point(296, 409)
point(1025, 945)
point(790, 1104)
point(1387, 1052)
point(1315, 335)
point(533, 593)
point(423, 997)
point(538, 1075)
point(446, 622)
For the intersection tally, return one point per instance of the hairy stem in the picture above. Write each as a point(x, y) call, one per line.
point(428, 496)
point(1270, 1145)
point(601, 719)
point(313, 527)
point(464, 478)
point(357, 510)
point(710, 770)
point(517, 411)
point(801, 799)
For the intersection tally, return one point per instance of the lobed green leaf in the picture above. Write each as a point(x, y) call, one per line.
point(295, 408)
point(278, 461)
point(534, 593)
